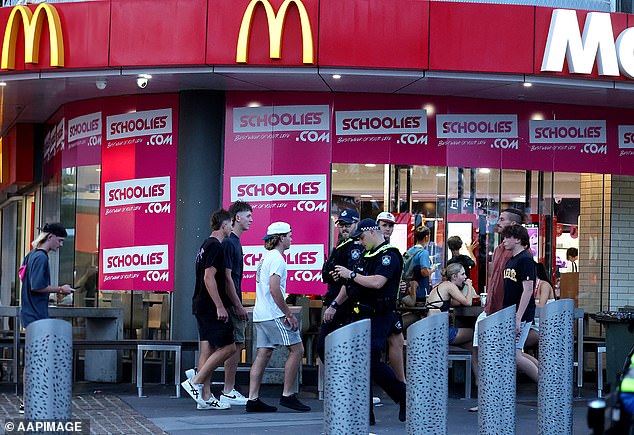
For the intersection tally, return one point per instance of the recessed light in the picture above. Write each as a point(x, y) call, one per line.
point(527, 84)
point(3, 83)
point(415, 191)
point(254, 104)
point(365, 196)
point(484, 170)
point(370, 165)
point(336, 76)
point(334, 170)
point(441, 174)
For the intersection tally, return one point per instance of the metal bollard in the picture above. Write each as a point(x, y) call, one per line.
point(556, 362)
point(347, 383)
point(496, 359)
point(427, 383)
point(48, 365)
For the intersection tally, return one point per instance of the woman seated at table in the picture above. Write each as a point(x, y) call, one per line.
point(448, 293)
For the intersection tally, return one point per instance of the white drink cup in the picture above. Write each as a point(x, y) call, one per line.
point(483, 299)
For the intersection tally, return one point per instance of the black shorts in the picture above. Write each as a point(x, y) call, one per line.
point(397, 326)
point(218, 334)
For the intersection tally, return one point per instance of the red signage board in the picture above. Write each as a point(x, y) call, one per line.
point(138, 194)
point(288, 181)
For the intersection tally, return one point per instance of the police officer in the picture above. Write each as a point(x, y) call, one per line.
point(374, 286)
point(347, 253)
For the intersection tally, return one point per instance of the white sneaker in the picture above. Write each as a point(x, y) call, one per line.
point(194, 390)
point(233, 398)
point(212, 403)
point(190, 373)
point(376, 400)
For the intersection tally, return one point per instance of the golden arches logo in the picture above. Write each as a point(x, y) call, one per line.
point(276, 26)
point(32, 23)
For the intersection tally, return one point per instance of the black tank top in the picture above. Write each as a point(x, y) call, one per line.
point(442, 305)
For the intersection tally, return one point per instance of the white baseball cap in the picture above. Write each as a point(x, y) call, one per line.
point(386, 216)
point(277, 228)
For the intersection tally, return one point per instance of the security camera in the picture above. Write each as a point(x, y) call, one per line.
point(142, 82)
point(101, 84)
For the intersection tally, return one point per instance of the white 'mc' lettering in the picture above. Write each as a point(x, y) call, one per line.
point(580, 51)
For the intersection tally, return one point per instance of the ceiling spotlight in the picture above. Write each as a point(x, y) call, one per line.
point(101, 84)
point(3, 83)
point(142, 80)
point(336, 76)
point(527, 84)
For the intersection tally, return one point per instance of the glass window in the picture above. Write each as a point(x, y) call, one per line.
point(86, 267)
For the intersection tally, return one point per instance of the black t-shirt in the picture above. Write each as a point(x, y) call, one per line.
point(348, 254)
point(209, 255)
point(518, 269)
point(233, 260)
point(385, 261)
point(466, 262)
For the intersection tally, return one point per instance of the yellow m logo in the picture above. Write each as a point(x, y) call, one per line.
point(32, 23)
point(276, 25)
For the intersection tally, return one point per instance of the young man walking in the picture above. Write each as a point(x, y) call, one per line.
point(209, 305)
point(241, 219)
point(519, 281)
point(274, 322)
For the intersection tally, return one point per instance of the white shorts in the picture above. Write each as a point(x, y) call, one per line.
point(475, 329)
point(520, 340)
point(276, 332)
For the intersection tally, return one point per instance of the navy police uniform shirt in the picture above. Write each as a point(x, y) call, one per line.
point(348, 254)
point(384, 260)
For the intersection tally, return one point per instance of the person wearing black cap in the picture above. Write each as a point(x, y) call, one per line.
point(36, 275)
point(374, 286)
point(347, 253)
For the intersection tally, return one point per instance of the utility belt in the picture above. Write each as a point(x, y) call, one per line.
point(380, 307)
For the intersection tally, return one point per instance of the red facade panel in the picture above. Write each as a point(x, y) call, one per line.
point(157, 32)
point(481, 37)
point(20, 147)
point(224, 22)
point(85, 30)
point(374, 33)
point(542, 25)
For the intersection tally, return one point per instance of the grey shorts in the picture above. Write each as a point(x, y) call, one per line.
point(276, 332)
point(239, 326)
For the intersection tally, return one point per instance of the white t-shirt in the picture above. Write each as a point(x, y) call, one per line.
point(265, 307)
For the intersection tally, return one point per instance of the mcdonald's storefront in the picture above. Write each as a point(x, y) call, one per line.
point(130, 121)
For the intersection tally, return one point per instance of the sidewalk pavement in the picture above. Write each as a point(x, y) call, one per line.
point(117, 409)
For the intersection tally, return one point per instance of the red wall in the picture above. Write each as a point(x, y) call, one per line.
point(391, 34)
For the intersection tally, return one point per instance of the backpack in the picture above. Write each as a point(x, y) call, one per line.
point(409, 265)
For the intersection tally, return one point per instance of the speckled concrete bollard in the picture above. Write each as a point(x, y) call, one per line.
point(347, 380)
point(427, 382)
point(48, 367)
point(556, 362)
point(497, 389)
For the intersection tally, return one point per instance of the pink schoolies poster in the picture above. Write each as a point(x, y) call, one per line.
point(277, 158)
point(138, 186)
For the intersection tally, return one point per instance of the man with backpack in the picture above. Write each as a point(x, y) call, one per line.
point(417, 267)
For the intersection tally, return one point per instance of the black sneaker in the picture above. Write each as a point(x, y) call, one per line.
point(293, 402)
point(258, 406)
point(402, 411)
